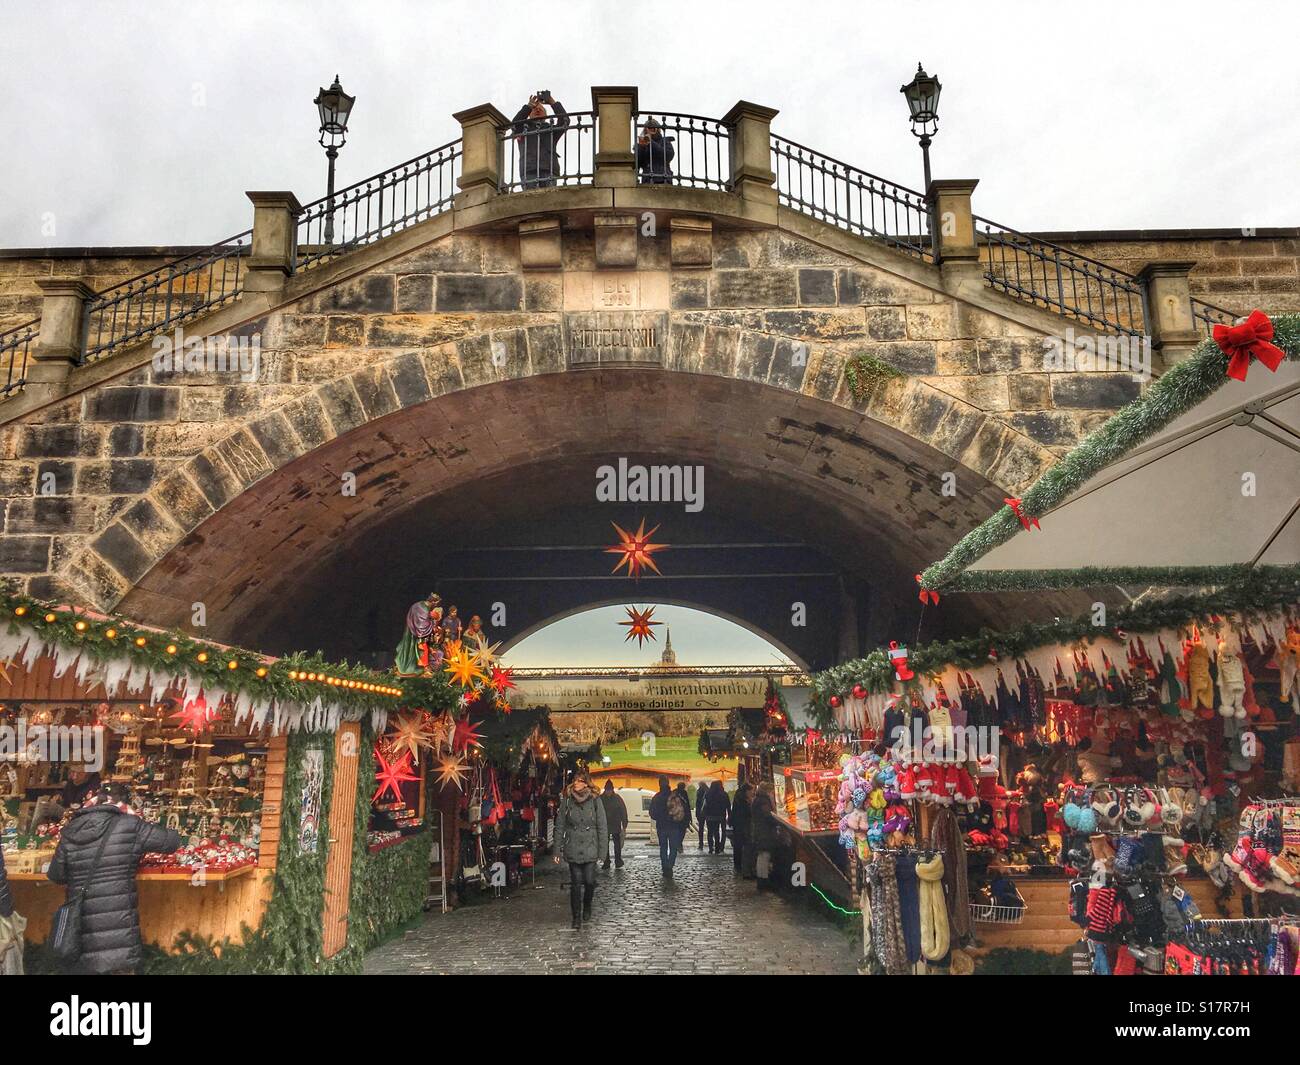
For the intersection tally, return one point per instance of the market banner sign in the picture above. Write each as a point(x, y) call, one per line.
point(641, 694)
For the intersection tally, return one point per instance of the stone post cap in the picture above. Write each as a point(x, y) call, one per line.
point(1165, 269)
point(745, 109)
point(613, 92)
point(945, 186)
point(287, 200)
point(483, 111)
point(65, 286)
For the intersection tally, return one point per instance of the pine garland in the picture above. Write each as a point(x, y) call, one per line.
point(1256, 594)
point(1010, 580)
point(1177, 391)
point(357, 689)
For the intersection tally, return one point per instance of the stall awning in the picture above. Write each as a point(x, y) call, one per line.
point(1196, 482)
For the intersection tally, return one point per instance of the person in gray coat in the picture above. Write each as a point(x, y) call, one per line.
point(110, 910)
point(581, 839)
point(616, 819)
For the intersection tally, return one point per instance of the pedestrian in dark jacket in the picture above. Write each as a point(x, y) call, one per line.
point(6, 898)
point(701, 793)
point(110, 910)
point(764, 832)
point(671, 813)
point(717, 808)
point(741, 845)
point(616, 819)
point(654, 154)
point(581, 837)
point(538, 138)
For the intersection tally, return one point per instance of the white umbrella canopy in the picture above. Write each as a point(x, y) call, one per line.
point(1218, 486)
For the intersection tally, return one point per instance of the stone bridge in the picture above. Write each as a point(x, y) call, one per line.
point(434, 392)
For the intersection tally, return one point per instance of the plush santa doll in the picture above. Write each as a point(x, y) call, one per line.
point(1232, 678)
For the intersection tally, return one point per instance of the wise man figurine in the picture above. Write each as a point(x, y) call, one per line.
point(474, 630)
point(413, 652)
point(451, 625)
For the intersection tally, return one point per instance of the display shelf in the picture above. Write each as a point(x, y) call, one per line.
point(185, 878)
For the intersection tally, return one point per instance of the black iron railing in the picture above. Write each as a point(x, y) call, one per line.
point(15, 350)
point(1061, 280)
point(851, 198)
point(165, 297)
point(690, 150)
point(560, 152)
point(1207, 315)
point(378, 206)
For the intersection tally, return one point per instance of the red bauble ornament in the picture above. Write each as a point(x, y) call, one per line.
point(859, 692)
point(835, 701)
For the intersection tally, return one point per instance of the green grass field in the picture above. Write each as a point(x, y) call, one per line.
point(678, 753)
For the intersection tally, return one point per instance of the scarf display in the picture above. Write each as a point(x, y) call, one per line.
point(933, 910)
point(947, 838)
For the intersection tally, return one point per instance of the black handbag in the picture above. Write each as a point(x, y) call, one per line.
point(65, 929)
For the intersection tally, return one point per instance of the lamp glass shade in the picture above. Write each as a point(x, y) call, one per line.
point(335, 107)
point(922, 95)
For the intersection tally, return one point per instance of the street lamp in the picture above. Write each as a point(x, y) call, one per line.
point(922, 95)
point(335, 106)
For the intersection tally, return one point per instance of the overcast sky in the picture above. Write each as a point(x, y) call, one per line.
point(144, 123)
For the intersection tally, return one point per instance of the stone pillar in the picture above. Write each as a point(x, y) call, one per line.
point(615, 160)
point(275, 240)
point(61, 340)
point(1169, 320)
point(480, 163)
point(953, 223)
point(751, 151)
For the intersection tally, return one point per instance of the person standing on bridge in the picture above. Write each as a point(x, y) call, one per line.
point(654, 154)
point(538, 138)
point(581, 837)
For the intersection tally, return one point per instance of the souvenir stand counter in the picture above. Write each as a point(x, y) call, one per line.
point(218, 787)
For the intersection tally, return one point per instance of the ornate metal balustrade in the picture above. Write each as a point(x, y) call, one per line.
point(379, 206)
point(15, 350)
point(1060, 280)
point(851, 199)
point(701, 151)
point(551, 155)
point(1207, 315)
point(166, 297)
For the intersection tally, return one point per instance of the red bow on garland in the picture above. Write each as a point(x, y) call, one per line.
point(927, 596)
point(1025, 520)
point(1249, 340)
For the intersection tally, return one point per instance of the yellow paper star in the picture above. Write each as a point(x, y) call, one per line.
point(461, 669)
point(412, 733)
point(485, 654)
point(453, 770)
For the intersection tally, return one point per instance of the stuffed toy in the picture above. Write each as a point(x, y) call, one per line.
point(1288, 662)
point(1200, 688)
point(1232, 679)
point(1169, 692)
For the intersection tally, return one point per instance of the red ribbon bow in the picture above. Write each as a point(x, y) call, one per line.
point(1248, 340)
point(1025, 520)
point(927, 596)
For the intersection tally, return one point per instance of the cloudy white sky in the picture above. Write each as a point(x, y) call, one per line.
point(145, 122)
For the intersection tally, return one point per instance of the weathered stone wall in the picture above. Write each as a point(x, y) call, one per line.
point(100, 487)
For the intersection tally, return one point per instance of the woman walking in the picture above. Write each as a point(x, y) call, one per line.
point(581, 839)
point(717, 808)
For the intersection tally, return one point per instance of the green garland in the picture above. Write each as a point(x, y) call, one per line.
point(1010, 580)
point(1256, 594)
point(1177, 391)
point(174, 652)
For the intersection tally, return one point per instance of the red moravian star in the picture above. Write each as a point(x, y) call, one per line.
point(466, 735)
point(635, 549)
point(392, 774)
point(502, 679)
point(640, 625)
point(196, 715)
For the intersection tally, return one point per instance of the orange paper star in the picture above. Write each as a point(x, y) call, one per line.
point(461, 668)
point(412, 732)
point(453, 770)
point(635, 550)
point(640, 626)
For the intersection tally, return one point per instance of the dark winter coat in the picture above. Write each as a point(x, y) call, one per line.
point(538, 142)
point(615, 811)
point(764, 828)
point(740, 815)
point(652, 160)
point(581, 831)
point(717, 807)
point(110, 913)
point(6, 899)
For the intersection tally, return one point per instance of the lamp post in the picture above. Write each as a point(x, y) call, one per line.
point(922, 94)
point(335, 106)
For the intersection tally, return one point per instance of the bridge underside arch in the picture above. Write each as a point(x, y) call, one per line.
point(488, 494)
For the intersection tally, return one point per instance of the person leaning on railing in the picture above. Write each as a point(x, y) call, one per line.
point(538, 138)
point(654, 153)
